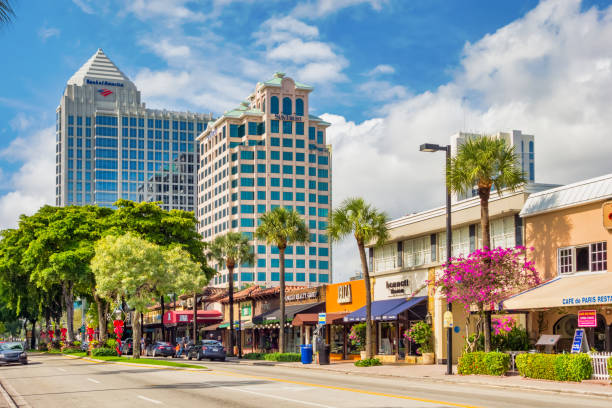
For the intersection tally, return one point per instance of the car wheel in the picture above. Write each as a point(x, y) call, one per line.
point(24, 362)
point(189, 357)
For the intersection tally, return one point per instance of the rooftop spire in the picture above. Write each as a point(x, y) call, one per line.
point(99, 66)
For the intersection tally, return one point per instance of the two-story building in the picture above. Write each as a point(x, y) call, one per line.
point(570, 229)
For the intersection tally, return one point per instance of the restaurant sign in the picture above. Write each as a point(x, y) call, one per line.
point(587, 300)
point(344, 294)
point(587, 318)
point(301, 296)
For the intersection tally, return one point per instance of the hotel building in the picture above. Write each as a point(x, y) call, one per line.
point(110, 146)
point(268, 152)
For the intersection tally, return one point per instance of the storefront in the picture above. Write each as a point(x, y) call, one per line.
point(181, 321)
point(341, 299)
point(570, 228)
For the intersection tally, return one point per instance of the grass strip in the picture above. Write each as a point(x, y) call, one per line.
point(147, 361)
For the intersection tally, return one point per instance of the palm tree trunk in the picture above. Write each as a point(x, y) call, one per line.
point(281, 333)
point(101, 305)
point(484, 194)
point(366, 278)
point(137, 335)
point(195, 318)
point(230, 270)
point(33, 338)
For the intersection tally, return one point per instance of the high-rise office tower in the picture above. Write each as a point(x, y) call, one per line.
point(523, 148)
point(110, 146)
point(268, 152)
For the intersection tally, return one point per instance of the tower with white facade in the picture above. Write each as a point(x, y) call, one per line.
point(110, 146)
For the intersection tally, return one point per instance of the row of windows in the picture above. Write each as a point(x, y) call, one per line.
point(287, 106)
point(276, 169)
point(276, 196)
point(276, 182)
point(274, 277)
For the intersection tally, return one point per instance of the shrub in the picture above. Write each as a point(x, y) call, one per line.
point(285, 357)
point(558, 367)
point(111, 343)
point(254, 356)
point(70, 350)
point(368, 362)
point(103, 351)
point(479, 362)
point(76, 343)
point(421, 334)
point(42, 347)
point(357, 335)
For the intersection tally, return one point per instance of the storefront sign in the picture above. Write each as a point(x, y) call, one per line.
point(587, 300)
point(344, 294)
point(288, 117)
point(587, 318)
point(448, 319)
point(403, 284)
point(104, 83)
point(398, 288)
point(607, 215)
point(183, 318)
point(294, 297)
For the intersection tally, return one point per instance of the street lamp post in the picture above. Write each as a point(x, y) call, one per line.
point(431, 147)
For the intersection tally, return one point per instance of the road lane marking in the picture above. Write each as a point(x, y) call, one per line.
point(61, 369)
point(93, 381)
point(314, 404)
point(149, 399)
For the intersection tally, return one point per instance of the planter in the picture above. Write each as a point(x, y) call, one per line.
point(428, 358)
point(362, 354)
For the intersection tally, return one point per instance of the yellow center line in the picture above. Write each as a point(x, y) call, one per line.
point(281, 380)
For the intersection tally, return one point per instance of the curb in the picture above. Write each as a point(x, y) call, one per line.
point(440, 380)
point(12, 397)
point(161, 367)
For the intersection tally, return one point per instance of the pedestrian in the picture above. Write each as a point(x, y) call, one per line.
point(142, 345)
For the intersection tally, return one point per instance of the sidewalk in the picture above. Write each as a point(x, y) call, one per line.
point(436, 373)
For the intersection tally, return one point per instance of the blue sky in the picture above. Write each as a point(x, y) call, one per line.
point(388, 74)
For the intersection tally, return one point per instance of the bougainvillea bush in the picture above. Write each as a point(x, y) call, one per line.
point(486, 277)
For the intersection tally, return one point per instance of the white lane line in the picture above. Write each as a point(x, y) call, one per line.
point(314, 404)
point(93, 381)
point(61, 369)
point(149, 399)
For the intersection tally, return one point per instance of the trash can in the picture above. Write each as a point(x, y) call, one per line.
point(306, 350)
point(324, 354)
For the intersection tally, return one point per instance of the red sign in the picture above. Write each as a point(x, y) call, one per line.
point(186, 316)
point(587, 318)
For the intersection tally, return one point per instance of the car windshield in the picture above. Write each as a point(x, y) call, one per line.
point(211, 343)
point(11, 346)
point(162, 343)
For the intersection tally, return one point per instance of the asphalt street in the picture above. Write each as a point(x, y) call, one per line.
point(56, 381)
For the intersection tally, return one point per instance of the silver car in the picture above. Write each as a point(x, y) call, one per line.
point(13, 352)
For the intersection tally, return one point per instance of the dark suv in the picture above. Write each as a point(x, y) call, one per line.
point(210, 349)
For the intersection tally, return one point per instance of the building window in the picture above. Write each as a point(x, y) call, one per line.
point(385, 257)
point(583, 258)
point(274, 126)
point(287, 128)
point(274, 104)
point(417, 251)
point(287, 106)
point(299, 107)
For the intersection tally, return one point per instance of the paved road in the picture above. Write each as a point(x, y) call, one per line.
point(55, 381)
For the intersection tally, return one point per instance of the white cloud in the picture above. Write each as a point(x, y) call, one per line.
point(383, 91)
point(20, 122)
point(277, 30)
point(381, 69)
point(47, 32)
point(86, 6)
point(548, 74)
point(165, 49)
point(167, 12)
point(299, 51)
point(322, 8)
point(32, 185)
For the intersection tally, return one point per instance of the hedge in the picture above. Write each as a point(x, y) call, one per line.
point(368, 362)
point(479, 362)
point(557, 367)
point(254, 356)
point(285, 357)
point(610, 367)
point(70, 350)
point(103, 351)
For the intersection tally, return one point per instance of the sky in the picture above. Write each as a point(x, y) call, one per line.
point(388, 75)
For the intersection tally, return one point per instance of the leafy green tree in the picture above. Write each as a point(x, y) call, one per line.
point(367, 225)
point(485, 162)
point(281, 227)
point(230, 250)
point(131, 268)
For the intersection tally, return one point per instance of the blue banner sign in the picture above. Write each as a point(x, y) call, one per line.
point(578, 339)
point(587, 300)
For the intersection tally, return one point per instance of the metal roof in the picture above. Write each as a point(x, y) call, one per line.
point(582, 192)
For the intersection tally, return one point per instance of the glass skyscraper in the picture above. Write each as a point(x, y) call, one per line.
point(110, 146)
point(268, 152)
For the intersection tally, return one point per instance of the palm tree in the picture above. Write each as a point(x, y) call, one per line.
point(231, 249)
point(367, 225)
point(6, 11)
point(281, 227)
point(485, 162)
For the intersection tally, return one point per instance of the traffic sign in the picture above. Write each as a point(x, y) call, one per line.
point(322, 318)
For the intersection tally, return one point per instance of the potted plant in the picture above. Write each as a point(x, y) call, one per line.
point(357, 338)
point(420, 333)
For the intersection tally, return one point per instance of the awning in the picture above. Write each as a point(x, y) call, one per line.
point(408, 305)
point(290, 312)
point(226, 325)
point(186, 316)
point(566, 291)
point(301, 319)
point(385, 310)
point(212, 327)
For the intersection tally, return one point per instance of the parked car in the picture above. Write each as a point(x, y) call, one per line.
point(160, 348)
point(13, 352)
point(211, 349)
point(127, 347)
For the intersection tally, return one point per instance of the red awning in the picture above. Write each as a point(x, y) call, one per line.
point(301, 319)
point(186, 316)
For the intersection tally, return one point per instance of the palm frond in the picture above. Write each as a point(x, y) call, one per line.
point(6, 11)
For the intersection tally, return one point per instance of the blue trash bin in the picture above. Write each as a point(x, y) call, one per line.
point(306, 350)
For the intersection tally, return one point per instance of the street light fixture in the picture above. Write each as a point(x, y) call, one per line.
point(432, 147)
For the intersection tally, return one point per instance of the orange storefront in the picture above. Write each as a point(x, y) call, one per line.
point(341, 299)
